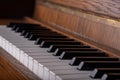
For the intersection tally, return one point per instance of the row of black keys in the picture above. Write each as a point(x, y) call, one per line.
point(83, 56)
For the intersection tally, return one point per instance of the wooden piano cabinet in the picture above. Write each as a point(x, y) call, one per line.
point(100, 30)
point(107, 8)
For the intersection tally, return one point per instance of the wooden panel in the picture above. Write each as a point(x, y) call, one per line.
point(73, 23)
point(104, 7)
point(100, 33)
point(54, 17)
point(62, 19)
point(97, 31)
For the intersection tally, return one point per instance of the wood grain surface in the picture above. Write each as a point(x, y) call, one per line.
point(109, 8)
point(91, 28)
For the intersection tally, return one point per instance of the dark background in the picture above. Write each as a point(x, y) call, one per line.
point(16, 8)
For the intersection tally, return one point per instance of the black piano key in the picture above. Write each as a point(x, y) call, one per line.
point(71, 54)
point(41, 32)
point(35, 37)
point(20, 29)
point(52, 48)
point(111, 76)
point(24, 32)
point(76, 60)
point(17, 27)
point(39, 40)
point(90, 65)
point(48, 43)
point(11, 24)
point(59, 51)
point(99, 72)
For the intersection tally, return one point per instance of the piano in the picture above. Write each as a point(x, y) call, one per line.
point(54, 56)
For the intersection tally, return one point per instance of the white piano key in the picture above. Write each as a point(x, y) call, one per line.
point(52, 75)
point(71, 71)
point(61, 67)
point(47, 70)
point(47, 60)
point(33, 48)
point(30, 63)
point(25, 62)
point(13, 50)
point(43, 57)
point(46, 73)
point(38, 60)
point(75, 76)
point(56, 63)
point(35, 67)
point(36, 53)
point(22, 56)
point(10, 48)
point(7, 46)
point(50, 72)
point(27, 45)
point(67, 72)
point(58, 78)
point(17, 54)
point(0, 41)
point(3, 43)
point(41, 71)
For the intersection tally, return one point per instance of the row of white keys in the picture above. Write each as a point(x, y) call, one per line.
point(38, 60)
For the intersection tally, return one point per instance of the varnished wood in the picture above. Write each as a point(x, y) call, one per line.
point(107, 8)
point(95, 29)
point(11, 69)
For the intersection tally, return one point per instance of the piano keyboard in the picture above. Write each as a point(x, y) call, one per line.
point(53, 56)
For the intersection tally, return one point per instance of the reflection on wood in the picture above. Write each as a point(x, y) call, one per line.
point(97, 31)
point(106, 7)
